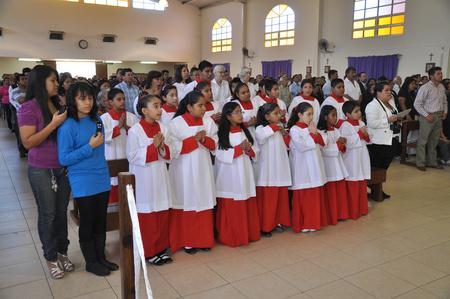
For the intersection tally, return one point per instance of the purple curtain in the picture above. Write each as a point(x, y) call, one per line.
point(376, 66)
point(275, 69)
point(225, 65)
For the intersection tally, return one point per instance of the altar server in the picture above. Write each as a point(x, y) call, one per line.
point(147, 153)
point(307, 87)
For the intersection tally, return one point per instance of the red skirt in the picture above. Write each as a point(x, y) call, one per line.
point(273, 206)
point(191, 229)
point(307, 209)
point(237, 221)
point(357, 198)
point(155, 232)
point(114, 194)
point(336, 201)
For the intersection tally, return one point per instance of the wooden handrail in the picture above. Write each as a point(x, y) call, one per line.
point(126, 237)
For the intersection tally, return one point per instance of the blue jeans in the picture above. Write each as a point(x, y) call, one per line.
point(52, 209)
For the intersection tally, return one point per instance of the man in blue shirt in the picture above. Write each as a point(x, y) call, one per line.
point(326, 89)
point(130, 90)
point(295, 88)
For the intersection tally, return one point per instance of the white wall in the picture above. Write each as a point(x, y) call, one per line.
point(12, 65)
point(306, 34)
point(26, 26)
point(137, 67)
point(234, 12)
point(427, 30)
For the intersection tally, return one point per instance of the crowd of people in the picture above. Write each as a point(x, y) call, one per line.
point(243, 157)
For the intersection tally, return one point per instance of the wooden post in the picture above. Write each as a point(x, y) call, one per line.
point(126, 237)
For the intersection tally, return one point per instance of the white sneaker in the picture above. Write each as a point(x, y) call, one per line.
point(306, 230)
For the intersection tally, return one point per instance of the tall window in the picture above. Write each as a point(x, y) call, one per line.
point(280, 26)
point(221, 36)
point(143, 4)
point(148, 4)
point(378, 18)
point(121, 3)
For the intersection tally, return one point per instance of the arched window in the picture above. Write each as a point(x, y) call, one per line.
point(378, 18)
point(221, 36)
point(152, 5)
point(280, 27)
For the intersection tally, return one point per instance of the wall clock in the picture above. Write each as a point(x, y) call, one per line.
point(83, 44)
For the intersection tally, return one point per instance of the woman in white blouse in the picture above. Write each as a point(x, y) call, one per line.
point(383, 125)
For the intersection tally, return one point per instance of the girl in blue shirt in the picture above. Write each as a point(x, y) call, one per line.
point(81, 149)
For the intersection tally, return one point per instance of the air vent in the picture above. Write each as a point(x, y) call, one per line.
point(109, 38)
point(57, 35)
point(151, 40)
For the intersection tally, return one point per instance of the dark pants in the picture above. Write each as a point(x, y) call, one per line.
point(92, 216)
point(7, 112)
point(380, 155)
point(15, 125)
point(444, 151)
point(52, 209)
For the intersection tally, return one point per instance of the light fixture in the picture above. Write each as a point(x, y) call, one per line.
point(76, 60)
point(149, 62)
point(112, 61)
point(30, 59)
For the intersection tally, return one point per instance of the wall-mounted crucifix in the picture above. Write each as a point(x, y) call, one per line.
point(431, 56)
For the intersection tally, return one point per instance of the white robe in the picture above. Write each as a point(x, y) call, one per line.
point(356, 158)
point(115, 148)
point(299, 99)
point(272, 167)
point(216, 109)
point(247, 114)
point(166, 117)
point(306, 160)
point(260, 101)
point(153, 189)
point(332, 157)
point(191, 174)
point(332, 102)
point(234, 177)
point(181, 90)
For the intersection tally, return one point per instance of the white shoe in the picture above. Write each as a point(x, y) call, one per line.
point(306, 230)
point(313, 230)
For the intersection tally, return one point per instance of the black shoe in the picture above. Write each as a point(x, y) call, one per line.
point(100, 251)
point(266, 235)
point(190, 250)
point(92, 263)
point(386, 196)
point(204, 249)
point(279, 228)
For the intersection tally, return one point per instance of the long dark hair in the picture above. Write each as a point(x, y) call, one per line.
point(262, 112)
point(143, 102)
point(150, 76)
point(179, 76)
point(190, 99)
point(63, 77)
point(82, 89)
point(225, 125)
point(36, 89)
point(238, 88)
point(301, 108)
point(324, 112)
point(405, 85)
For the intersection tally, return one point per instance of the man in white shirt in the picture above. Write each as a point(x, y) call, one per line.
point(220, 87)
point(205, 67)
point(397, 84)
point(326, 89)
point(352, 89)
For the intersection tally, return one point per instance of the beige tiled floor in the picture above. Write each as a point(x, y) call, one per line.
point(400, 250)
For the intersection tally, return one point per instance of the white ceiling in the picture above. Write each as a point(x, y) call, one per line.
point(204, 3)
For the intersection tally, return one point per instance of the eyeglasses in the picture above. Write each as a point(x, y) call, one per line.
point(239, 112)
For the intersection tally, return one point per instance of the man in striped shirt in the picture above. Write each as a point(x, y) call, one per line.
point(130, 90)
point(431, 104)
